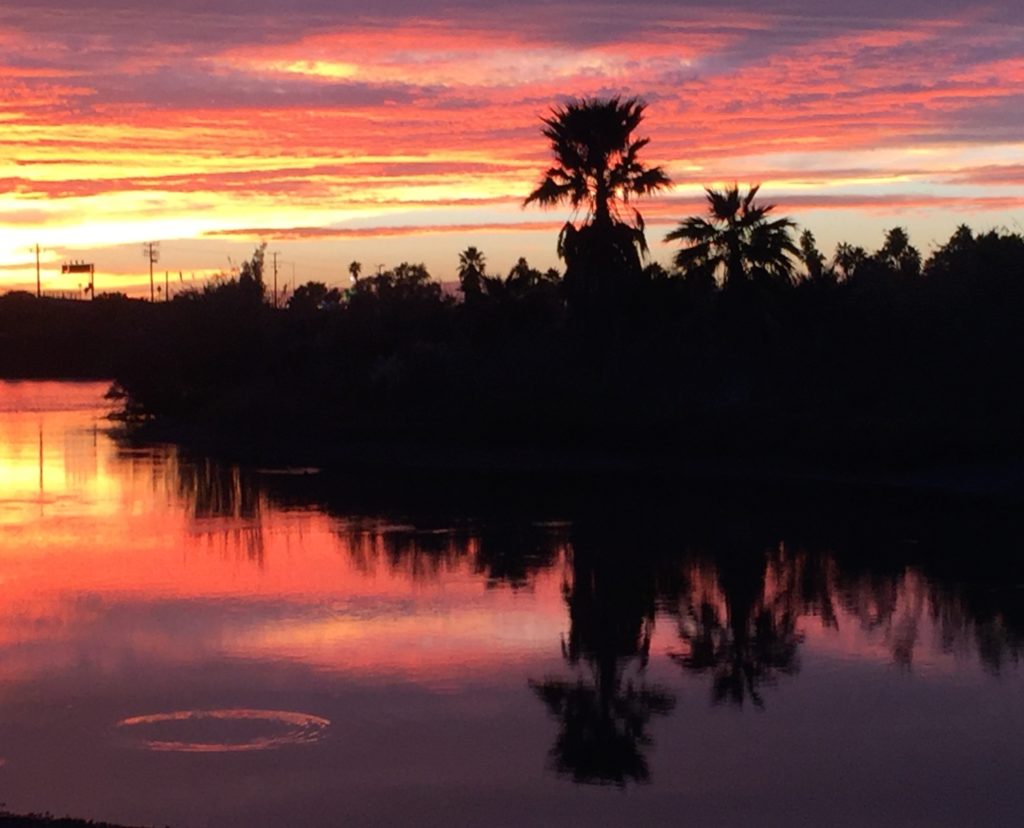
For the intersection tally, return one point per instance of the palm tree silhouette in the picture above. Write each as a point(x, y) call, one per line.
point(898, 254)
point(471, 272)
point(736, 240)
point(521, 277)
point(813, 259)
point(597, 169)
point(596, 158)
point(849, 258)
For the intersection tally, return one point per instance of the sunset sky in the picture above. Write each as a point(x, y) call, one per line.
point(402, 130)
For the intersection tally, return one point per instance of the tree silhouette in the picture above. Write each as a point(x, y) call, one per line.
point(313, 296)
point(402, 282)
point(471, 273)
point(521, 277)
point(250, 277)
point(354, 270)
point(597, 169)
point(848, 259)
point(979, 262)
point(898, 254)
point(736, 240)
point(813, 259)
point(395, 305)
point(885, 269)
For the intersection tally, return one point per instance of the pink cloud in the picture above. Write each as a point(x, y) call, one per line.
point(320, 233)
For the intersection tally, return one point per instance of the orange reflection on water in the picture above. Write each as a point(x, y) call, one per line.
point(116, 551)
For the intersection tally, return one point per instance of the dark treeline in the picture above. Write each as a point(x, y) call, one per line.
point(754, 344)
point(863, 361)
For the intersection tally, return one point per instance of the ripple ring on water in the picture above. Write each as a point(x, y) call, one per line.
point(301, 729)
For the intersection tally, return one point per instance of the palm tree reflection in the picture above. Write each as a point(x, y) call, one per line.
point(741, 627)
point(605, 710)
point(602, 734)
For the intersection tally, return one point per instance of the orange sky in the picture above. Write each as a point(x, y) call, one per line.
point(410, 131)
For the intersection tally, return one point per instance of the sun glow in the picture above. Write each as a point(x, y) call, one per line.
point(317, 68)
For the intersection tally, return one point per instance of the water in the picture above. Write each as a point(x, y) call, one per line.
point(190, 644)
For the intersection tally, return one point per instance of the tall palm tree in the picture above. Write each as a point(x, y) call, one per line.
point(597, 169)
point(736, 240)
point(596, 158)
point(354, 270)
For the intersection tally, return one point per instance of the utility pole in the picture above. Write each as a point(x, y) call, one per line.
point(151, 250)
point(275, 278)
point(167, 286)
point(39, 282)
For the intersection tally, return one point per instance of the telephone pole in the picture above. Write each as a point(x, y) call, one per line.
point(39, 282)
point(151, 250)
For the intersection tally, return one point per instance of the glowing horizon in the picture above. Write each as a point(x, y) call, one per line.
point(413, 132)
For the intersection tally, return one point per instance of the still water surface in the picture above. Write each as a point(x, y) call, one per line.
point(187, 643)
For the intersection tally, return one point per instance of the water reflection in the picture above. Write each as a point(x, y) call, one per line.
point(741, 628)
point(610, 592)
point(502, 641)
point(741, 601)
point(221, 503)
point(505, 555)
